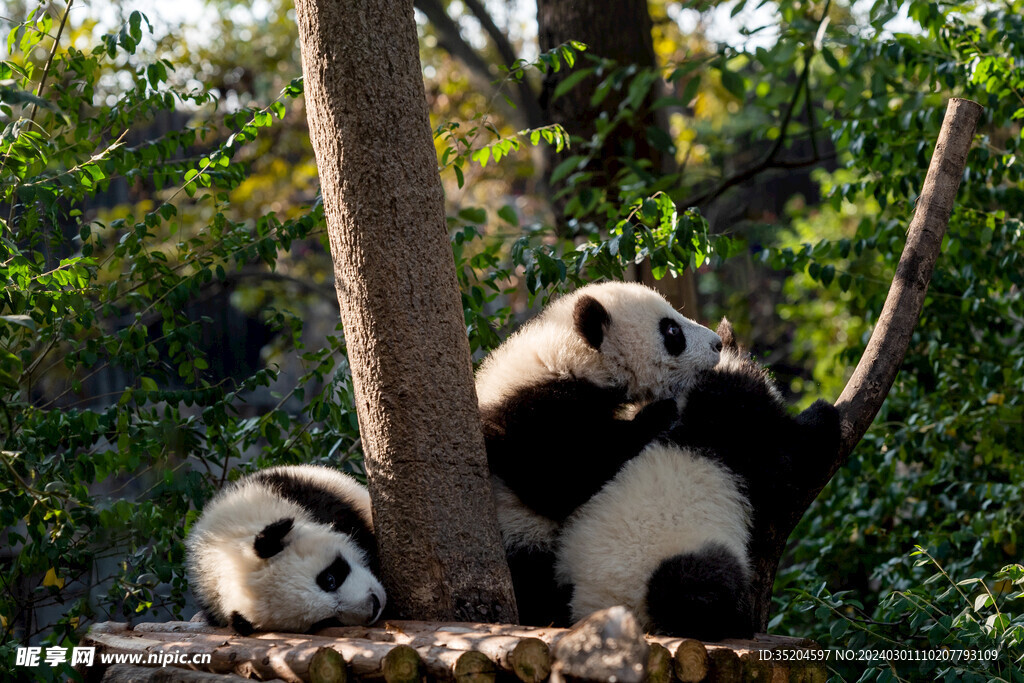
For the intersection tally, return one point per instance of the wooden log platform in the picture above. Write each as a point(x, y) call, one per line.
point(607, 646)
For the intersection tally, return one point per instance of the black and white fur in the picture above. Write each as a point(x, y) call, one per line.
point(286, 549)
point(555, 400)
point(670, 535)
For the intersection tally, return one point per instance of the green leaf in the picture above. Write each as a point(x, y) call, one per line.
point(25, 321)
point(997, 622)
point(570, 81)
point(839, 628)
point(508, 214)
point(827, 274)
point(690, 91)
point(135, 26)
point(474, 214)
point(481, 156)
point(564, 168)
point(831, 60)
point(660, 140)
point(734, 83)
point(14, 96)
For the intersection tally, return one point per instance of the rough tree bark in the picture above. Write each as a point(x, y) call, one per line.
point(441, 553)
point(864, 393)
point(618, 30)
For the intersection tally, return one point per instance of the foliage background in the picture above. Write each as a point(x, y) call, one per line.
point(158, 199)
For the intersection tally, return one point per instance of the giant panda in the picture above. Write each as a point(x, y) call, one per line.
point(670, 535)
point(555, 403)
point(289, 549)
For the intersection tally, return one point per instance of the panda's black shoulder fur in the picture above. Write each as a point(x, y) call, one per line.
point(324, 506)
point(528, 433)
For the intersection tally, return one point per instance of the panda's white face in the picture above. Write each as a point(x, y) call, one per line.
point(642, 341)
point(319, 575)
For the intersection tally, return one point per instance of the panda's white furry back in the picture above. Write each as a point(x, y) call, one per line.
point(286, 548)
point(670, 531)
point(555, 403)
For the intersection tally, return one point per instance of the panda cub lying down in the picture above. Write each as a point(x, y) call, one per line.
point(654, 512)
point(286, 549)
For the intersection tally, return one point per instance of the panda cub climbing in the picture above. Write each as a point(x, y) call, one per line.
point(287, 548)
point(670, 536)
point(555, 402)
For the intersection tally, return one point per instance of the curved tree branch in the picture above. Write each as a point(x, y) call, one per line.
point(876, 371)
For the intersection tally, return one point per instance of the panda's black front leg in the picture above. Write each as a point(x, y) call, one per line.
point(798, 452)
point(612, 448)
point(820, 430)
point(558, 444)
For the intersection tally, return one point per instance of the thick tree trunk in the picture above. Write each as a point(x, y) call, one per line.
point(613, 29)
point(441, 553)
point(876, 371)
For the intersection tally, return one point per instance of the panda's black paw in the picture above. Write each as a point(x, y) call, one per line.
point(820, 424)
point(655, 418)
point(242, 626)
point(820, 436)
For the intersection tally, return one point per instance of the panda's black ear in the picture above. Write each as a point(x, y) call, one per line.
point(725, 332)
point(591, 320)
point(270, 541)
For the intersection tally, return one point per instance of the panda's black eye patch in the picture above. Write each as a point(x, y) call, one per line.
point(673, 337)
point(332, 577)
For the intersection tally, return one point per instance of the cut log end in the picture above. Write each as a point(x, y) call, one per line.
point(402, 664)
point(659, 664)
point(691, 661)
point(724, 666)
point(327, 666)
point(475, 667)
point(530, 660)
point(811, 673)
point(755, 669)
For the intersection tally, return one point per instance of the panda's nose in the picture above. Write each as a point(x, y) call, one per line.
point(717, 345)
